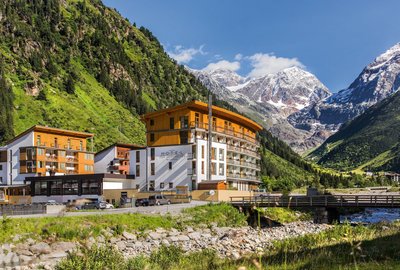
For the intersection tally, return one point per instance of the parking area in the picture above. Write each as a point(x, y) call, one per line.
point(172, 209)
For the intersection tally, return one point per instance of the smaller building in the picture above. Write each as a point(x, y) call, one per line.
point(41, 151)
point(114, 159)
point(68, 188)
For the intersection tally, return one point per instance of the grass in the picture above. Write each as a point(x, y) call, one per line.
point(79, 228)
point(343, 247)
point(285, 215)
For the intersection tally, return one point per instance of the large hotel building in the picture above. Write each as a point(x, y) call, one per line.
point(177, 149)
point(45, 151)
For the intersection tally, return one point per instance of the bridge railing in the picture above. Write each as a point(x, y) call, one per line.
point(318, 201)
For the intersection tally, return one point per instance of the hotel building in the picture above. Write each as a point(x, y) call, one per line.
point(114, 159)
point(177, 149)
point(45, 151)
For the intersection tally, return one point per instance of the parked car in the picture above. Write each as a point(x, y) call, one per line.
point(87, 205)
point(104, 205)
point(158, 200)
point(142, 202)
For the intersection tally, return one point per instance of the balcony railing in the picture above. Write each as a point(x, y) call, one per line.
point(226, 131)
point(242, 176)
point(242, 150)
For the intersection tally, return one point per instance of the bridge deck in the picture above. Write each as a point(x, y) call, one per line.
point(334, 201)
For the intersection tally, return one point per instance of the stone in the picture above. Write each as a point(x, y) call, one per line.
point(173, 239)
point(155, 235)
point(63, 246)
point(129, 236)
point(40, 248)
point(165, 242)
point(189, 229)
point(183, 238)
point(194, 235)
point(25, 259)
point(113, 240)
point(121, 245)
point(54, 255)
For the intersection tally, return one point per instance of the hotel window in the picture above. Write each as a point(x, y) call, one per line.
point(202, 151)
point(170, 165)
point(70, 187)
point(152, 169)
point(61, 153)
point(38, 140)
point(213, 153)
point(171, 123)
point(1, 167)
point(214, 168)
point(88, 168)
point(152, 137)
point(214, 122)
point(40, 164)
point(183, 137)
point(1, 179)
point(137, 171)
point(137, 156)
point(151, 122)
point(151, 185)
point(152, 153)
point(221, 169)
point(221, 154)
point(62, 166)
point(184, 122)
point(202, 167)
point(89, 156)
point(197, 119)
point(161, 185)
point(40, 151)
point(171, 185)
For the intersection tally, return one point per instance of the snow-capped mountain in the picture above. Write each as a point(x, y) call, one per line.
point(378, 80)
point(270, 98)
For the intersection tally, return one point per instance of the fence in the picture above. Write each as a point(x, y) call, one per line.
point(15, 210)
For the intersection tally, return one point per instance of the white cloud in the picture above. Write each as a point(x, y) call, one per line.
point(269, 63)
point(223, 64)
point(184, 56)
point(238, 57)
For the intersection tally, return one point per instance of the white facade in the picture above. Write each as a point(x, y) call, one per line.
point(102, 160)
point(10, 173)
point(176, 165)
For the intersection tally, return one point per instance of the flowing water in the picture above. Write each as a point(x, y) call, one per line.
point(373, 215)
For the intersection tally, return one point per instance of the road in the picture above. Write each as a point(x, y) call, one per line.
point(172, 209)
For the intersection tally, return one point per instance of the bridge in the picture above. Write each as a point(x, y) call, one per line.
point(325, 206)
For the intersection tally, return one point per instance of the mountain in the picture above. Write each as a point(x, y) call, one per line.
point(80, 65)
point(377, 81)
point(270, 99)
point(369, 142)
point(76, 64)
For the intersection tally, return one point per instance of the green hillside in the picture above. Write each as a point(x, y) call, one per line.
point(80, 65)
point(76, 64)
point(369, 142)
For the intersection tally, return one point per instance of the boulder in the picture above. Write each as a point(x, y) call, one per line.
point(40, 248)
point(129, 236)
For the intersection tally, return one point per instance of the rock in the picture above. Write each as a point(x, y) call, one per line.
point(194, 235)
point(189, 229)
point(183, 238)
point(174, 239)
point(121, 245)
point(25, 259)
point(40, 248)
point(165, 242)
point(113, 240)
point(129, 236)
point(155, 235)
point(63, 246)
point(53, 255)
point(173, 232)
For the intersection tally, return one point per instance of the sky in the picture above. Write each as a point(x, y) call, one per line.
point(333, 39)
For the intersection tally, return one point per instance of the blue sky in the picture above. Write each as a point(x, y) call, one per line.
point(334, 39)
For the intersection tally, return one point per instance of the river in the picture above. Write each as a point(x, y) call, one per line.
point(373, 215)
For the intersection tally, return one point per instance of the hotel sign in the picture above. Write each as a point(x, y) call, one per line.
point(172, 155)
